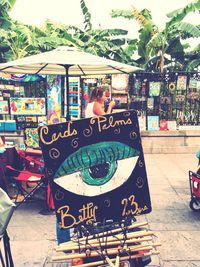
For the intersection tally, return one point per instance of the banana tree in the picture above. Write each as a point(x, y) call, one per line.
point(109, 43)
point(161, 44)
point(5, 22)
point(168, 41)
point(5, 7)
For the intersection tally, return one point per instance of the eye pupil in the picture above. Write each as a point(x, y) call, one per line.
point(100, 170)
point(99, 174)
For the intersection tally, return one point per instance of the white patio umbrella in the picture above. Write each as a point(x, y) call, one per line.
point(67, 61)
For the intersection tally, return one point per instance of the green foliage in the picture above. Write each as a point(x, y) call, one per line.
point(87, 16)
point(7, 4)
point(154, 46)
point(115, 13)
point(188, 28)
point(179, 14)
point(193, 64)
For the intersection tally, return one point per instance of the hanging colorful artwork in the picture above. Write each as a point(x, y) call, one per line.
point(53, 98)
point(96, 169)
point(152, 123)
point(27, 106)
point(181, 82)
point(142, 122)
point(22, 77)
point(143, 88)
point(193, 95)
point(192, 83)
point(137, 87)
point(4, 107)
point(154, 88)
point(7, 87)
point(180, 98)
point(198, 85)
point(120, 83)
point(31, 137)
point(150, 102)
point(166, 100)
point(172, 125)
point(120, 99)
point(172, 87)
point(163, 125)
point(21, 91)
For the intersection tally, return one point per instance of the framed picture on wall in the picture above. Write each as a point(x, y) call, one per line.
point(154, 88)
point(28, 106)
point(120, 83)
point(182, 82)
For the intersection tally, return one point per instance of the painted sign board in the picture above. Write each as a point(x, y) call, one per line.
point(96, 169)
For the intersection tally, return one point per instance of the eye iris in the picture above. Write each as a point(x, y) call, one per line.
point(100, 170)
point(99, 174)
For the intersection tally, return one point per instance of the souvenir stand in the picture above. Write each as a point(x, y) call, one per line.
point(22, 105)
point(115, 85)
point(167, 101)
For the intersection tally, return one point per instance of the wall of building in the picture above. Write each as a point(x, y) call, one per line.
point(180, 141)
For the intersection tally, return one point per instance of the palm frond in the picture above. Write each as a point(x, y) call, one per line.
point(87, 16)
point(115, 13)
point(193, 64)
point(179, 14)
point(187, 28)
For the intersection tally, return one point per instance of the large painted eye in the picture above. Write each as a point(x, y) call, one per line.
point(97, 169)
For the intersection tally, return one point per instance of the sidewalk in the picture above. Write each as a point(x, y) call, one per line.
point(32, 235)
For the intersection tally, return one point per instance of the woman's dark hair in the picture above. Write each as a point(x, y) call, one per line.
point(96, 93)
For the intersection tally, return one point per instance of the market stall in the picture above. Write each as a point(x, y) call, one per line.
point(68, 62)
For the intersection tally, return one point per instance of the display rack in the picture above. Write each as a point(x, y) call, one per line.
point(74, 98)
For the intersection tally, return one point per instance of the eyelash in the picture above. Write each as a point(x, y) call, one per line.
point(93, 155)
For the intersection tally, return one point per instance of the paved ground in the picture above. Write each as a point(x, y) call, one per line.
point(175, 225)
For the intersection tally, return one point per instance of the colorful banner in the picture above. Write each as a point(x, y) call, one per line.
point(27, 106)
point(53, 98)
point(96, 169)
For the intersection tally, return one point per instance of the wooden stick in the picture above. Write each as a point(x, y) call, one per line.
point(111, 238)
point(108, 252)
point(116, 261)
point(110, 243)
point(121, 259)
point(135, 225)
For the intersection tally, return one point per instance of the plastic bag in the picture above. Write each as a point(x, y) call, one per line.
point(7, 208)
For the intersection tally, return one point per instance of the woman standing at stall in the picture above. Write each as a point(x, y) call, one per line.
point(96, 105)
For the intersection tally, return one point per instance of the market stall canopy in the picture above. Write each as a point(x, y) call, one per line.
point(56, 61)
point(68, 61)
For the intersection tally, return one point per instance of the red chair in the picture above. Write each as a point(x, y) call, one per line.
point(29, 154)
point(26, 174)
